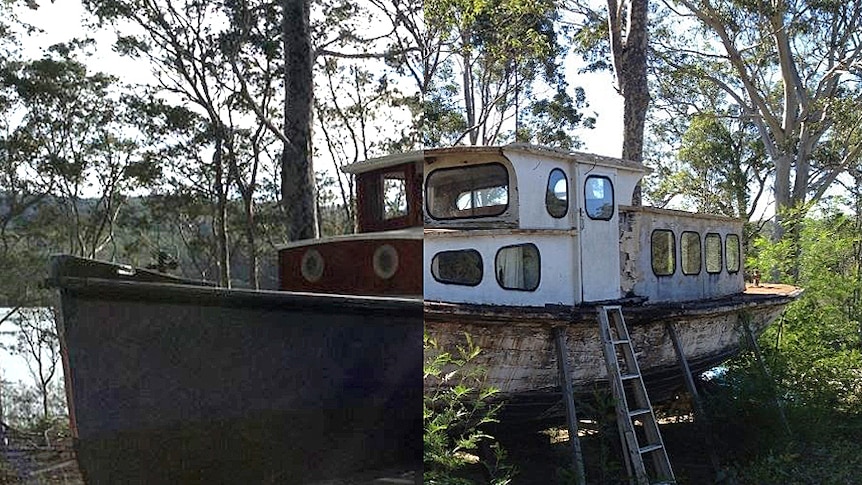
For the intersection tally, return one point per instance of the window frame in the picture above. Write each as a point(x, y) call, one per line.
point(465, 250)
point(738, 253)
point(700, 253)
point(672, 252)
point(613, 197)
point(550, 193)
point(407, 204)
point(431, 175)
point(538, 262)
point(713, 235)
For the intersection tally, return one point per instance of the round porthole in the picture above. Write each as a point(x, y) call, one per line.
point(312, 265)
point(385, 261)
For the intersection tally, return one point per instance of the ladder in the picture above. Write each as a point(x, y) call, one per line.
point(632, 402)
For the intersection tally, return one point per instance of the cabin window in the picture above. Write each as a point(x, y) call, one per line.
point(599, 198)
point(731, 251)
point(689, 251)
point(466, 192)
point(461, 267)
point(518, 267)
point(663, 252)
point(712, 247)
point(557, 195)
point(394, 195)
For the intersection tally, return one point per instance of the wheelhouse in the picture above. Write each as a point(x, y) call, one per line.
point(384, 256)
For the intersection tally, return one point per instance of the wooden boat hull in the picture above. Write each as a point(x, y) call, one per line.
point(518, 353)
point(176, 383)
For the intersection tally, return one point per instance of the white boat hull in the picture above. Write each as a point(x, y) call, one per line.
point(519, 357)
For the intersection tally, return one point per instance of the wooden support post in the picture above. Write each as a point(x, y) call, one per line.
point(745, 320)
point(569, 400)
point(700, 416)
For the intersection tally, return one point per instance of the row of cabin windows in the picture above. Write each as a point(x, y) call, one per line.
point(483, 191)
point(693, 256)
point(516, 267)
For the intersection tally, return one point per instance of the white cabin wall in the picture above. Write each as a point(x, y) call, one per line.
point(557, 274)
point(636, 228)
point(532, 173)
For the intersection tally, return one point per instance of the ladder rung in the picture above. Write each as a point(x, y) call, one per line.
point(628, 377)
point(651, 448)
point(638, 412)
point(620, 341)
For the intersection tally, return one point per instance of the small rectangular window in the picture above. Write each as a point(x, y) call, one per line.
point(518, 267)
point(712, 247)
point(663, 252)
point(460, 267)
point(690, 255)
point(732, 250)
point(394, 195)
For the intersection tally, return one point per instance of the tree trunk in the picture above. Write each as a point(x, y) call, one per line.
point(222, 256)
point(297, 173)
point(630, 64)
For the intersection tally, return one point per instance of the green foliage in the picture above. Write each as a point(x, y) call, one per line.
point(505, 68)
point(814, 353)
point(456, 408)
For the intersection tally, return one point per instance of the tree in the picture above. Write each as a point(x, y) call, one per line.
point(502, 59)
point(297, 172)
point(627, 28)
point(39, 345)
point(792, 68)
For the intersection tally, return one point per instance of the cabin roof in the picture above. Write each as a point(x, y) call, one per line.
point(408, 233)
point(428, 155)
point(378, 163)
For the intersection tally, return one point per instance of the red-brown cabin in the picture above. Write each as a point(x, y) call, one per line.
point(384, 257)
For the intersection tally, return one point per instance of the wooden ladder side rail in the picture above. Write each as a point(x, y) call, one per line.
point(745, 320)
point(569, 401)
point(612, 317)
point(702, 420)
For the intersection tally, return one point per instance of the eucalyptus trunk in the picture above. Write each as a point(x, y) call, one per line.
point(297, 173)
point(628, 39)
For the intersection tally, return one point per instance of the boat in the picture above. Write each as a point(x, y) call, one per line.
point(170, 380)
point(522, 241)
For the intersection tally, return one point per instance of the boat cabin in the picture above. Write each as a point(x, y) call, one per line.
point(523, 225)
point(516, 225)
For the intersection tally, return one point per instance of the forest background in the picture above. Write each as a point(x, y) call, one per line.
point(202, 165)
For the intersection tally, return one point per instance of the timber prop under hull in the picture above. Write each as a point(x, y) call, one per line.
point(518, 352)
point(170, 382)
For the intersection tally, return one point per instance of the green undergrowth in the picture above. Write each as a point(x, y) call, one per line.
point(458, 405)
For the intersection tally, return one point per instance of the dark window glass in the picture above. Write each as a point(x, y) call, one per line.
point(731, 251)
point(518, 267)
point(471, 191)
point(663, 252)
point(461, 267)
point(557, 194)
point(599, 197)
point(712, 248)
point(690, 253)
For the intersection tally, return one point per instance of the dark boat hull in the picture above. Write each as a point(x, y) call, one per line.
point(175, 383)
